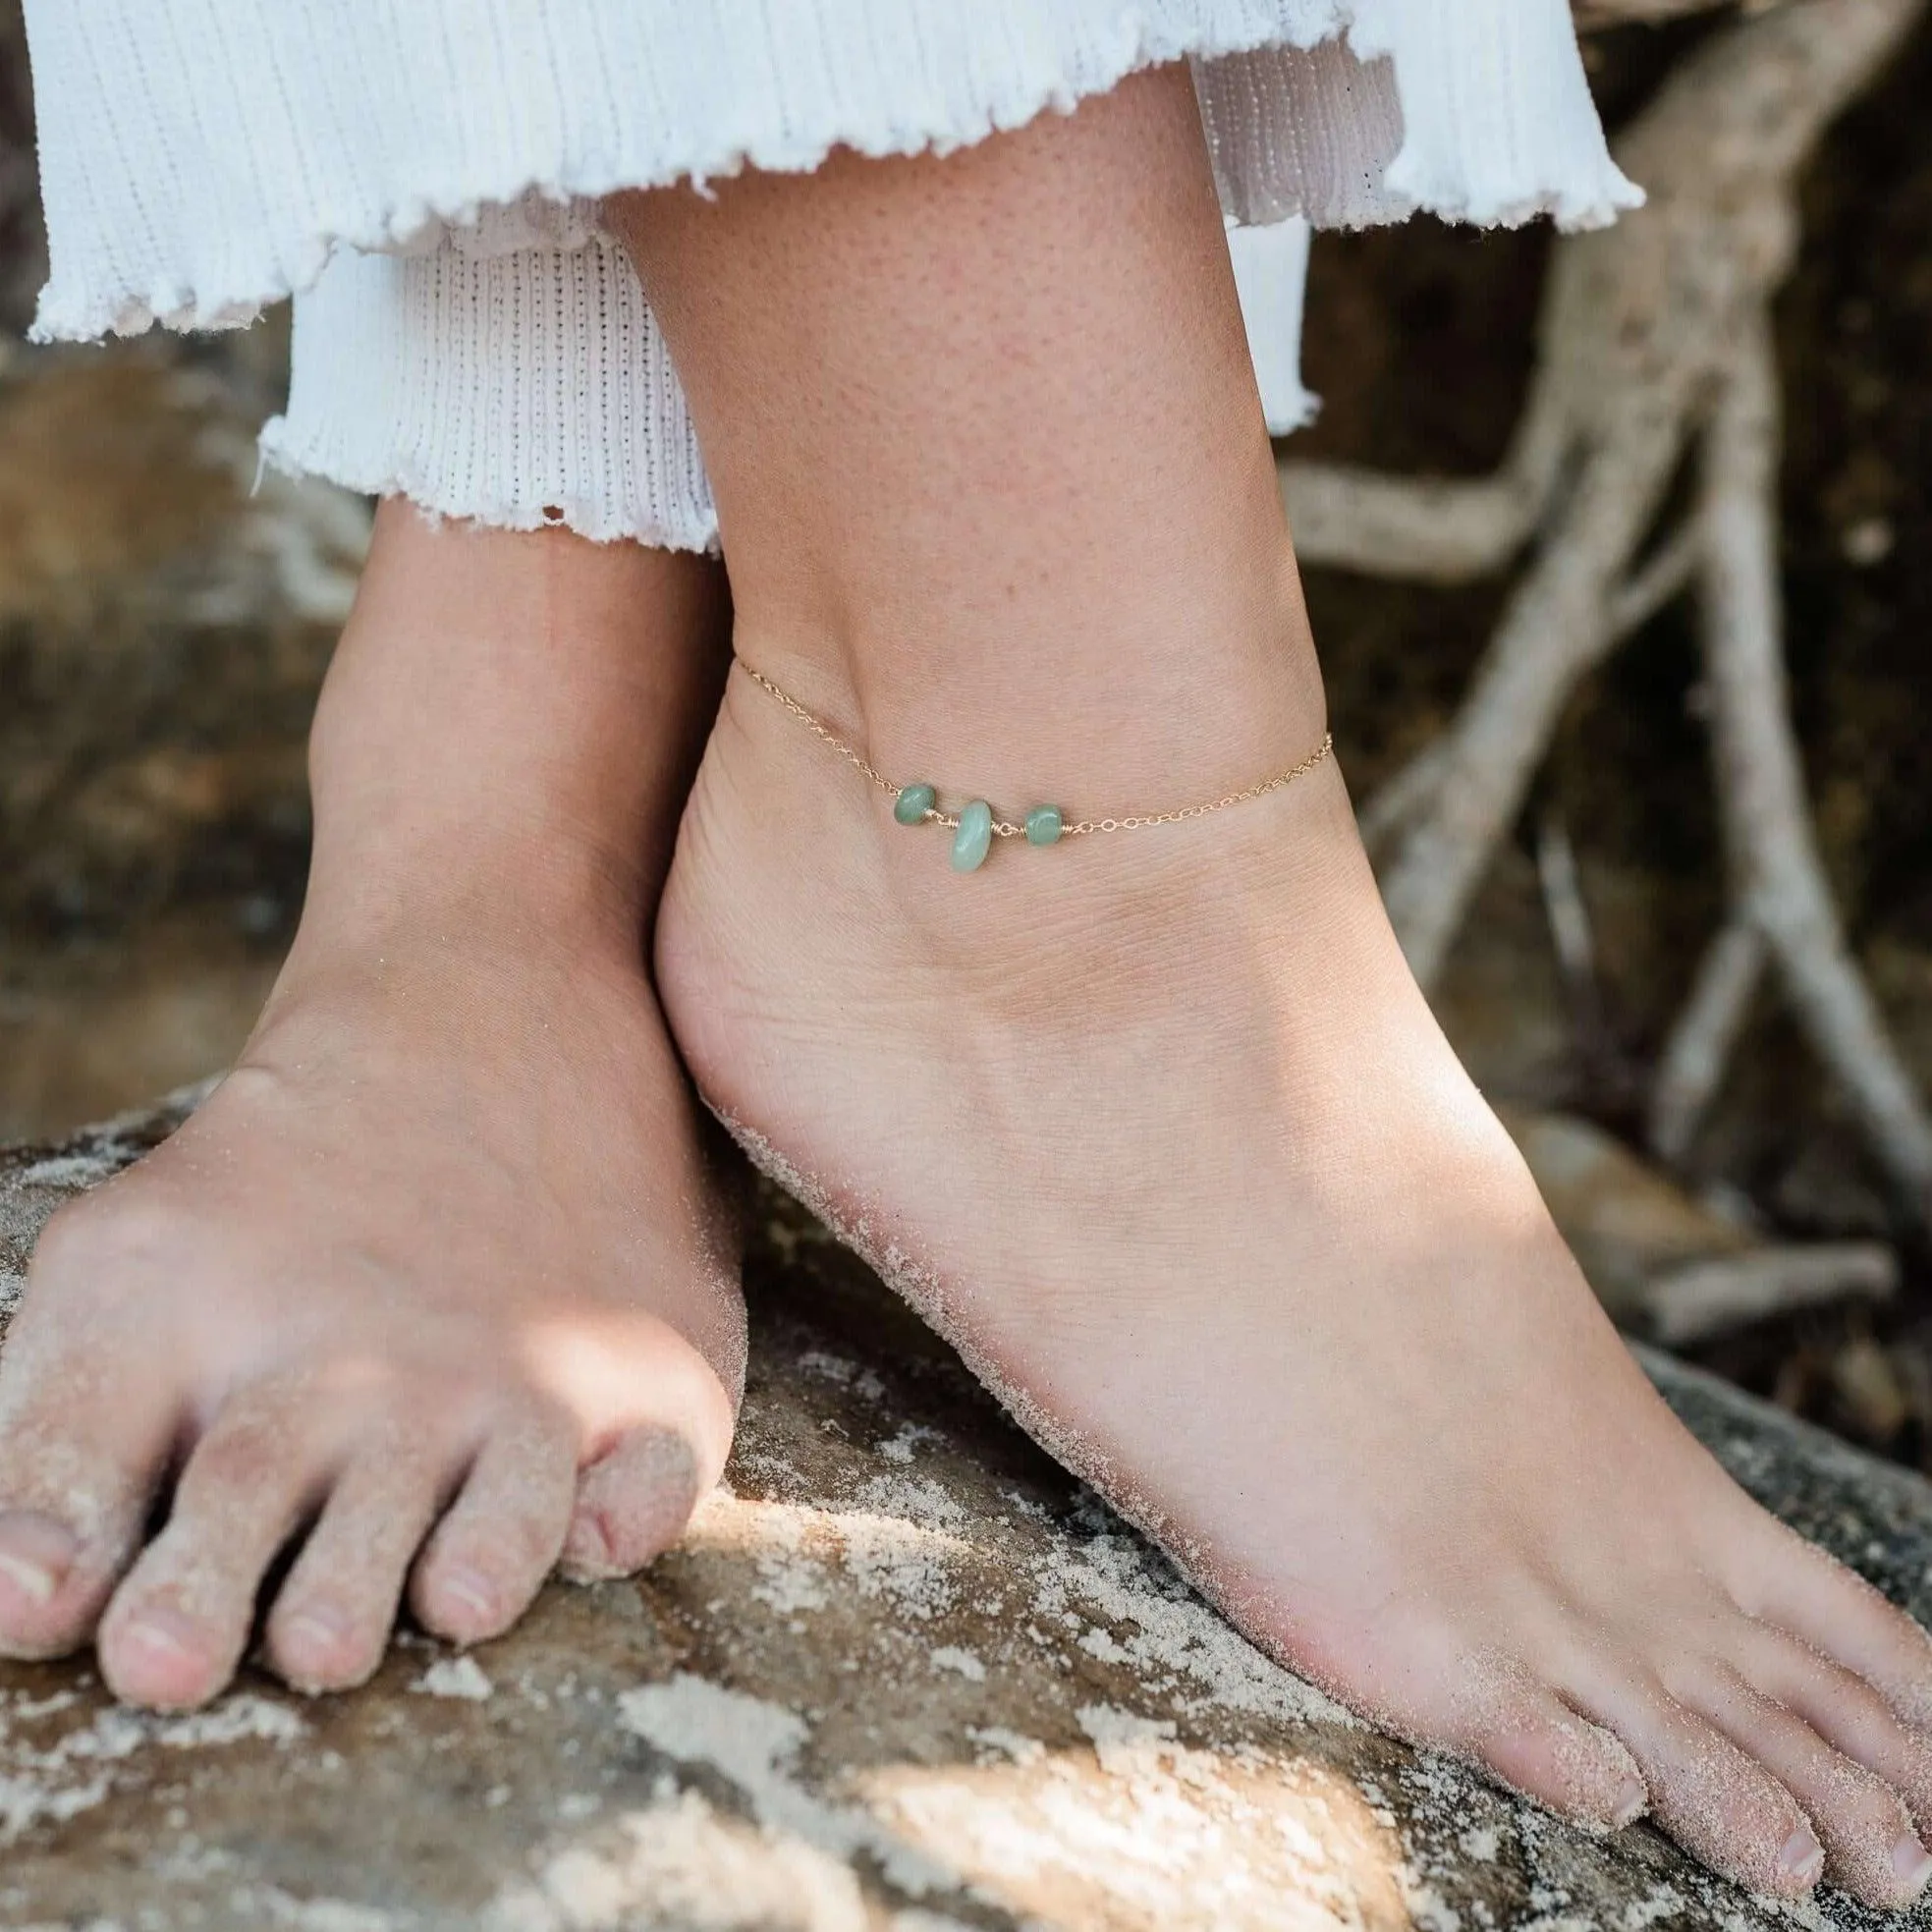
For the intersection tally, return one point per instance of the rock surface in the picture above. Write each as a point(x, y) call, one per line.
point(904, 1676)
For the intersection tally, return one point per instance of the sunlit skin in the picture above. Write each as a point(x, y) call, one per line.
point(1157, 1126)
point(443, 1267)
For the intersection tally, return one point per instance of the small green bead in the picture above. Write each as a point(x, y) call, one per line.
point(1043, 825)
point(914, 802)
point(974, 838)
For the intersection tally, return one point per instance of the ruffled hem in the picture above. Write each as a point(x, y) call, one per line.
point(521, 391)
point(433, 491)
point(195, 172)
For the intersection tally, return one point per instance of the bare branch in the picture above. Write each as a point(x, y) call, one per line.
point(1691, 1066)
point(1591, 14)
point(1776, 872)
point(1411, 793)
point(1425, 527)
point(1637, 326)
point(1405, 797)
point(1432, 528)
point(1656, 583)
point(1555, 629)
point(1572, 934)
point(1704, 1299)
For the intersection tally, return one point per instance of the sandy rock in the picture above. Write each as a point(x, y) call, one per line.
point(902, 1676)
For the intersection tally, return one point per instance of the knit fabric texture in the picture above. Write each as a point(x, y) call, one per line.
point(424, 176)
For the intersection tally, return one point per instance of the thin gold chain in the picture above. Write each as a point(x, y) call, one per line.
point(1005, 828)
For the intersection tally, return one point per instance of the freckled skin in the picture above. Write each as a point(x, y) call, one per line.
point(1157, 1127)
point(443, 1265)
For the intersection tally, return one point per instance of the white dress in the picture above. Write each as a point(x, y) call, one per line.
point(424, 178)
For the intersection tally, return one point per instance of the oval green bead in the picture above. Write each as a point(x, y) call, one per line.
point(914, 802)
point(1044, 824)
point(974, 838)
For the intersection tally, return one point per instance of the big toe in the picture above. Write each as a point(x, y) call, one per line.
point(1535, 1745)
point(631, 1505)
point(75, 1484)
point(37, 1561)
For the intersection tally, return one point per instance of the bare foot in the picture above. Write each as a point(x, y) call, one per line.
point(1156, 1125)
point(439, 1281)
point(1158, 1129)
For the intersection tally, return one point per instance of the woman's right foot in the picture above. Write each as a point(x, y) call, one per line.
point(1158, 1129)
point(442, 1268)
point(1156, 1125)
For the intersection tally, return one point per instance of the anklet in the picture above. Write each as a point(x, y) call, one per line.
point(973, 826)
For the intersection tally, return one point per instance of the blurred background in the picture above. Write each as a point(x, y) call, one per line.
point(164, 625)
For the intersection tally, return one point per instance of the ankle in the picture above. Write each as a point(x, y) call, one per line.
point(507, 733)
point(384, 886)
point(788, 847)
point(1178, 701)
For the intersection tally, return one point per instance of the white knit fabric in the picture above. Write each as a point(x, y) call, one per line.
point(424, 176)
point(517, 389)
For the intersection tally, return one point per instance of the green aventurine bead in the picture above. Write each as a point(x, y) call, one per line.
point(974, 838)
point(914, 802)
point(1043, 824)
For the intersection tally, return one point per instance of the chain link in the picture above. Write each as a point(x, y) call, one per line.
point(1005, 828)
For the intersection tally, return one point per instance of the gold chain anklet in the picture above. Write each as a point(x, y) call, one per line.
point(973, 826)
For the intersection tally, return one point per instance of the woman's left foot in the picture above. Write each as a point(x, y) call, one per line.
point(440, 1285)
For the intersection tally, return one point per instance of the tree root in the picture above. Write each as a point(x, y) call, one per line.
point(1777, 876)
point(1691, 1067)
point(1638, 364)
point(1707, 1299)
point(1617, 13)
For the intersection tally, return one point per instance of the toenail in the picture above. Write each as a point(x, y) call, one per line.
point(467, 1590)
point(1632, 1800)
point(319, 1627)
point(36, 1556)
point(162, 1632)
point(1803, 1858)
point(1913, 1863)
point(34, 1581)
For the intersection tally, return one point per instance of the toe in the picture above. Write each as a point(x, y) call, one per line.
point(1794, 1586)
point(1845, 1710)
point(1537, 1745)
point(487, 1559)
point(1716, 1800)
point(177, 1628)
point(632, 1504)
point(1871, 1849)
point(36, 1558)
point(332, 1619)
point(83, 1447)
